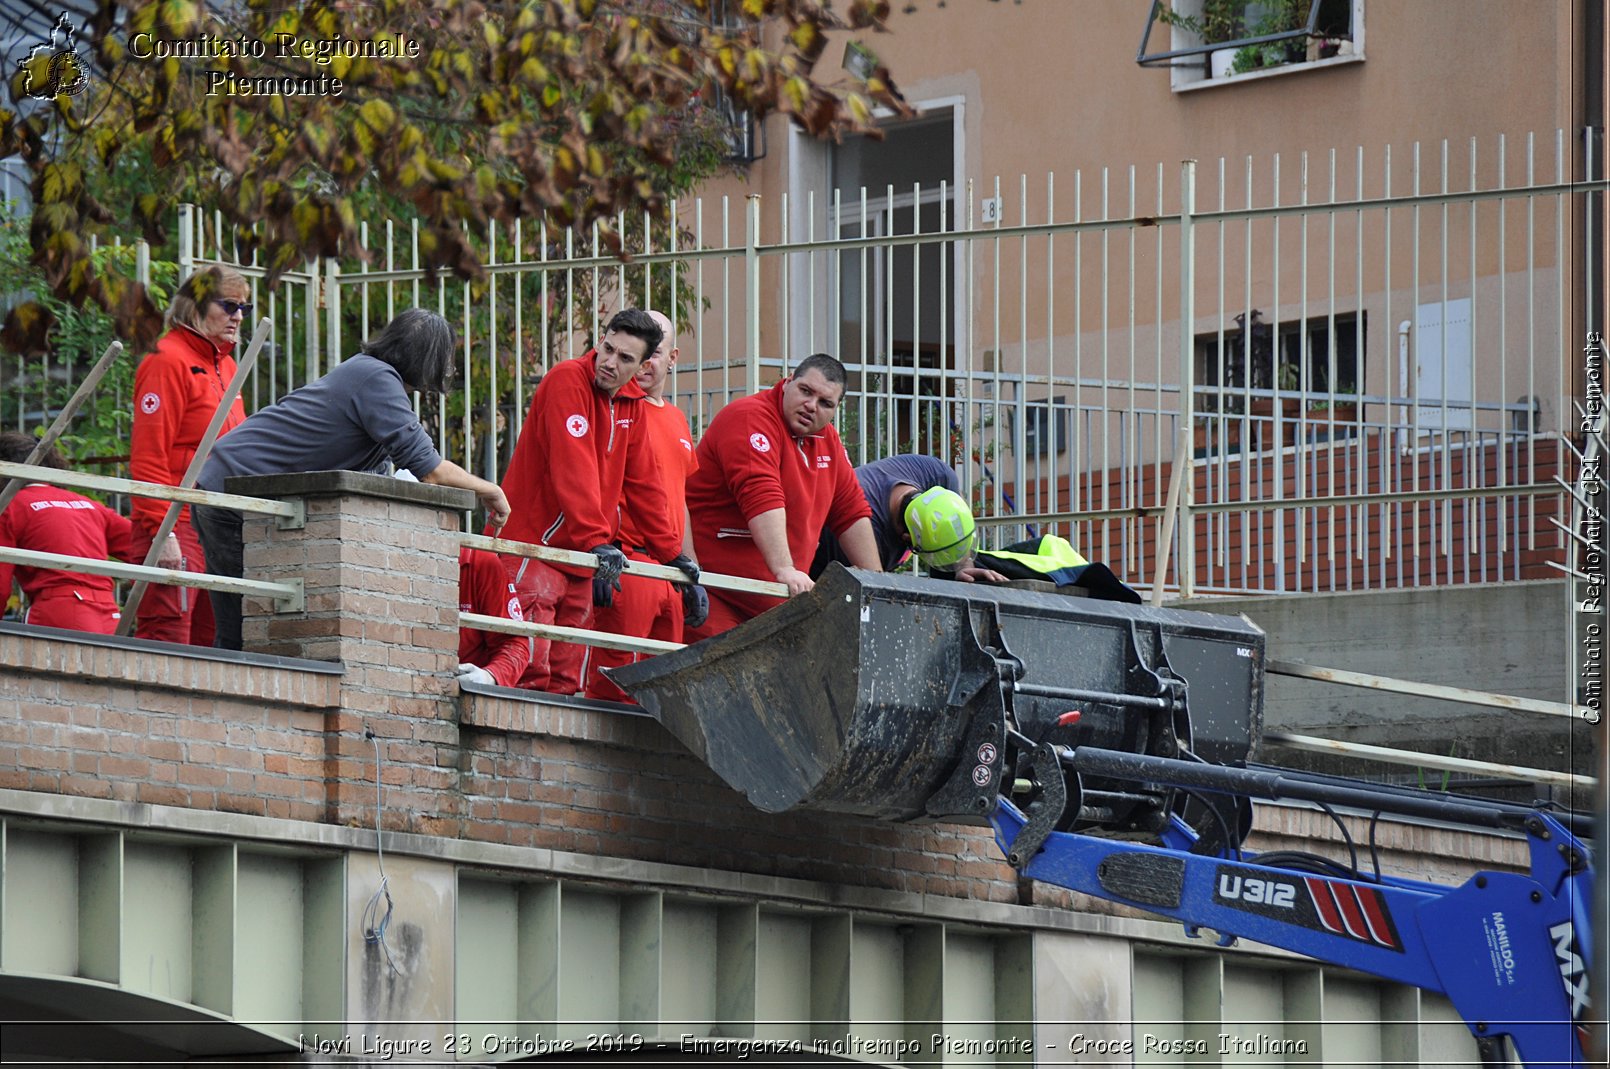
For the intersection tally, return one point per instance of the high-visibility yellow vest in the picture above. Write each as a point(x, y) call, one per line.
point(1053, 557)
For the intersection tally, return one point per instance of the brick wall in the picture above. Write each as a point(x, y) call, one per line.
point(621, 786)
point(378, 559)
point(140, 724)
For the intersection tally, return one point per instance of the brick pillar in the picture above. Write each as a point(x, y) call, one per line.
point(378, 559)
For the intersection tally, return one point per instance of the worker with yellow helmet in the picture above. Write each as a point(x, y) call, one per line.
point(916, 508)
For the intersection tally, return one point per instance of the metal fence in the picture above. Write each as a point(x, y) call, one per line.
point(1372, 356)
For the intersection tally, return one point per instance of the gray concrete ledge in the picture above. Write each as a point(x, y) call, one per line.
point(304, 838)
point(542, 697)
point(357, 483)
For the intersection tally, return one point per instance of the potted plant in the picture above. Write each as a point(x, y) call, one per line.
point(1321, 410)
point(1218, 20)
point(1327, 47)
point(1294, 413)
point(1269, 17)
point(1262, 409)
point(1215, 434)
point(1234, 20)
point(1334, 38)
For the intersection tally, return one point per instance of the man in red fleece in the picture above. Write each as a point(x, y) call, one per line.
point(53, 520)
point(484, 589)
point(583, 447)
point(772, 473)
point(651, 608)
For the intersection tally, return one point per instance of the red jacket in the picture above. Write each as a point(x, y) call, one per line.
point(484, 588)
point(177, 389)
point(672, 442)
point(579, 452)
point(54, 520)
point(750, 463)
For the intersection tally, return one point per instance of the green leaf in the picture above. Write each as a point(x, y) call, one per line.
point(806, 37)
point(305, 217)
point(317, 135)
point(179, 18)
point(377, 115)
point(365, 138)
point(797, 91)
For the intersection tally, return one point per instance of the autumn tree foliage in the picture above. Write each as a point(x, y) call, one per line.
point(284, 117)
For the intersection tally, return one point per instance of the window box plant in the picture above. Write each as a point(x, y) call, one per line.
point(1237, 20)
point(1294, 412)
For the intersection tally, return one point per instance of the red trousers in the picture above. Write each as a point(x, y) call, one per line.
point(174, 613)
point(549, 596)
point(724, 616)
point(95, 612)
point(644, 608)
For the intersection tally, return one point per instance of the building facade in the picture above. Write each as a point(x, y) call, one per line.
point(1364, 266)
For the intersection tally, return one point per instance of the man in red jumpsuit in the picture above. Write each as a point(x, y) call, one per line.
point(484, 589)
point(177, 388)
point(53, 520)
point(772, 473)
point(652, 608)
point(583, 446)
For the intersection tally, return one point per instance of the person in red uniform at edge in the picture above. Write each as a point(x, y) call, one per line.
point(651, 608)
point(772, 473)
point(177, 388)
point(484, 589)
point(583, 445)
point(54, 520)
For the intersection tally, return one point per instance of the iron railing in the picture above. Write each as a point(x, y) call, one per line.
point(1374, 355)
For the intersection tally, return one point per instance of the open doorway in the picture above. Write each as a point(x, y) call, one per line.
point(899, 319)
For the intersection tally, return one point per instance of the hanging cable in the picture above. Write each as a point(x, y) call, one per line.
point(1375, 856)
point(1232, 843)
point(375, 923)
point(1352, 850)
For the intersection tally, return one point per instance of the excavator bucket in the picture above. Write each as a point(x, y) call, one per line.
point(875, 694)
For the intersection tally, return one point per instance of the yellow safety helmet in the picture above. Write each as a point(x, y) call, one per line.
point(941, 527)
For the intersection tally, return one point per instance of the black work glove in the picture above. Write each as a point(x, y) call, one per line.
point(695, 605)
point(607, 578)
point(684, 564)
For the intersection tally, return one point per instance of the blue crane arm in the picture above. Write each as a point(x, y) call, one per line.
point(1509, 951)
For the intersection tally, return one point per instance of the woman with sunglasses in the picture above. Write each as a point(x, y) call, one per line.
point(177, 388)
